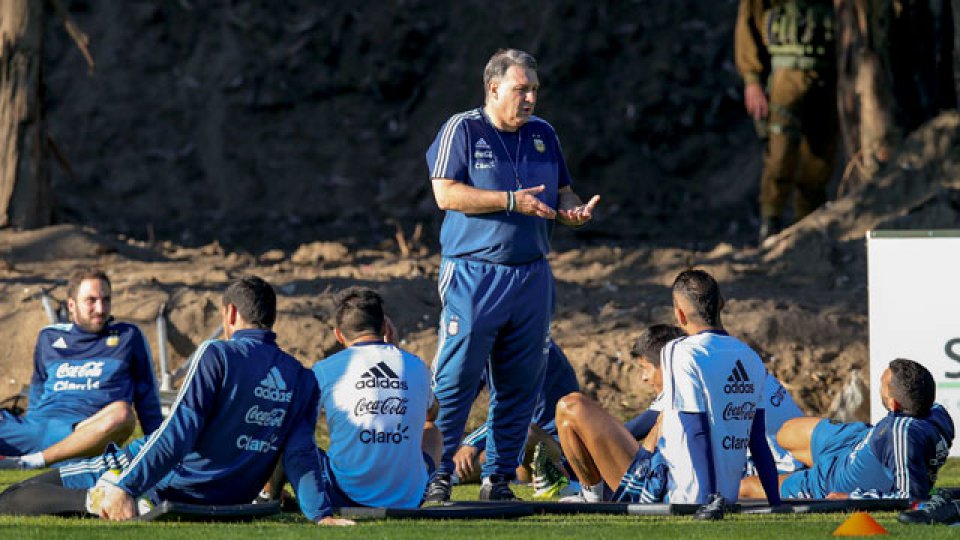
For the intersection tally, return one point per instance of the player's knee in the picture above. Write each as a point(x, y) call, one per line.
point(120, 417)
point(569, 406)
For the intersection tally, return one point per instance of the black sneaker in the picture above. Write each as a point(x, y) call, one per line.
point(939, 509)
point(713, 509)
point(439, 489)
point(496, 487)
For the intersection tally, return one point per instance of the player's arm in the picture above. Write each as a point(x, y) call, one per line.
point(146, 396)
point(301, 459)
point(907, 458)
point(696, 431)
point(641, 425)
point(177, 435)
point(763, 458)
point(39, 377)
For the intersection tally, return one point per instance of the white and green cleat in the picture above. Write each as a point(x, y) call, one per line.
point(548, 480)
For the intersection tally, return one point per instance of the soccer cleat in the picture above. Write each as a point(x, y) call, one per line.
point(713, 510)
point(548, 480)
point(439, 489)
point(11, 463)
point(496, 487)
point(939, 509)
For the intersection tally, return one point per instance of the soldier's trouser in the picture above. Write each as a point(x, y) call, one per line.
point(802, 142)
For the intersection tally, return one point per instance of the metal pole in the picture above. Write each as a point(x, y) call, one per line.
point(186, 365)
point(165, 378)
point(47, 301)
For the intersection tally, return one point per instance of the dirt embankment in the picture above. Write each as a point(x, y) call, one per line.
point(801, 301)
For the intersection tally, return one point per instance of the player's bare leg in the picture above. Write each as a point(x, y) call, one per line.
point(596, 445)
point(795, 436)
point(751, 488)
point(432, 443)
point(113, 423)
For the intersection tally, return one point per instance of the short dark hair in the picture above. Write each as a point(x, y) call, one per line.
point(652, 340)
point(359, 311)
point(502, 60)
point(82, 274)
point(703, 293)
point(912, 386)
point(254, 299)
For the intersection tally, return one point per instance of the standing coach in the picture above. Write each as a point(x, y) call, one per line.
point(499, 173)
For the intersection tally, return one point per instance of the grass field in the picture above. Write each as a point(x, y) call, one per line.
point(740, 527)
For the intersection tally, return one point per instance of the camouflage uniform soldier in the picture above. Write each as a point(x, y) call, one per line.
point(789, 46)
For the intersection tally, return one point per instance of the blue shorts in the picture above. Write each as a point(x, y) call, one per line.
point(645, 480)
point(829, 442)
point(339, 499)
point(31, 433)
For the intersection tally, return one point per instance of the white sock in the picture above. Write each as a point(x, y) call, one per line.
point(33, 461)
point(592, 493)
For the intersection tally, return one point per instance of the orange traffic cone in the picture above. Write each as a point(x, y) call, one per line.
point(860, 524)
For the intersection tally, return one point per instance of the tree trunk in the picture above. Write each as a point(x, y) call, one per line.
point(865, 85)
point(24, 182)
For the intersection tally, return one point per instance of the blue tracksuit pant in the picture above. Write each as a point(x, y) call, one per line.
point(494, 316)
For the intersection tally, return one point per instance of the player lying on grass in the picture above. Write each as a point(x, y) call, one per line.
point(380, 410)
point(560, 380)
point(712, 411)
point(899, 457)
point(87, 373)
point(244, 405)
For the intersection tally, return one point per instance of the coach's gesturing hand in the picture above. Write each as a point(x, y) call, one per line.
point(527, 203)
point(117, 504)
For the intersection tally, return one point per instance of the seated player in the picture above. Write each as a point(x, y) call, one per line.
point(86, 375)
point(712, 411)
point(779, 407)
point(899, 457)
point(380, 411)
point(244, 405)
point(560, 380)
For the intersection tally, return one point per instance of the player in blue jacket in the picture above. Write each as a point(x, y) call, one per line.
point(899, 457)
point(499, 174)
point(86, 376)
point(244, 405)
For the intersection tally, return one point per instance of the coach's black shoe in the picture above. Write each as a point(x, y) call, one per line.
point(439, 489)
point(496, 487)
point(939, 509)
point(713, 509)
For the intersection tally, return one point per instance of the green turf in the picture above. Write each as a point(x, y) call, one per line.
point(740, 527)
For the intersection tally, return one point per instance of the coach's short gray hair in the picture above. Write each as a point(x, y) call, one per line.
point(501, 61)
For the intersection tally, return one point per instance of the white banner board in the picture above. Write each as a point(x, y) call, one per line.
point(914, 294)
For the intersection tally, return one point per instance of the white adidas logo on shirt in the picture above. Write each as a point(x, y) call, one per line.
point(60, 343)
point(272, 387)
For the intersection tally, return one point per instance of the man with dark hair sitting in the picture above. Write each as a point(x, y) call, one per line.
point(899, 457)
point(244, 405)
point(711, 412)
point(89, 375)
point(380, 410)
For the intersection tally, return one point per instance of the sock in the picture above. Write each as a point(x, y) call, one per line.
point(33, 461)
point(592, 493)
